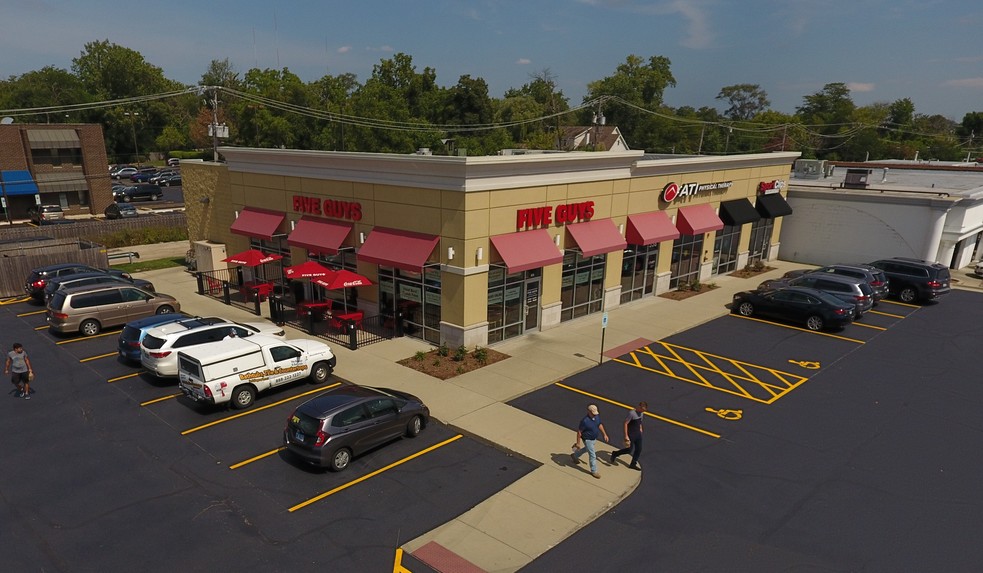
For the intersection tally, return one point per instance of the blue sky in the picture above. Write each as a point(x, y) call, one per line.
point(926, 50)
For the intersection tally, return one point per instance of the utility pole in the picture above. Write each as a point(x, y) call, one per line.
point(215, 123)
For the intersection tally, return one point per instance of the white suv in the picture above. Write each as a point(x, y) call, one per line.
point(159, 348)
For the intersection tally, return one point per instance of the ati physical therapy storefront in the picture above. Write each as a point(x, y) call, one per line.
point(477, 250)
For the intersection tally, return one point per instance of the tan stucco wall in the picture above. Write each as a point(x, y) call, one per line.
point(464, 219)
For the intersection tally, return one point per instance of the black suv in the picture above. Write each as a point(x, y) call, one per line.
point(914, 280)
point(39, 277)
point(144, 191)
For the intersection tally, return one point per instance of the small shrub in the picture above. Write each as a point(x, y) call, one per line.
point(460, 354)
point(443, 350)
point(436, 361)
point(419, 356)
point(460, 369)
point(696, 286)
point(480, 354)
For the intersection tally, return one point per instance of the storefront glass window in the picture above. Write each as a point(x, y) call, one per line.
point(506, 293)
point(416, 296)
point(761, 231)
point(270, 272)
point(685, 266)
point(638, 269)
point(582, 286)
point(344, 259)
point(725, 249)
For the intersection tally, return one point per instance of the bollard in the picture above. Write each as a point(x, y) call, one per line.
point(201, 283)
point(256, 301)
point(226, 297)
point(399, 324)
point(352, 335)
point(276, 310)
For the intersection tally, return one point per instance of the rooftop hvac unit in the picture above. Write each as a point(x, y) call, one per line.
point(810, 168)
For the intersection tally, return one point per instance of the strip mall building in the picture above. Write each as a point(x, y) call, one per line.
point(477, 250)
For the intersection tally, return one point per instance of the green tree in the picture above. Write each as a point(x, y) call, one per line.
point(829, 113)
point(639, 85)
point(746, 101)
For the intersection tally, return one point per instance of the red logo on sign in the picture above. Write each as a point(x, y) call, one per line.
point(669, 192)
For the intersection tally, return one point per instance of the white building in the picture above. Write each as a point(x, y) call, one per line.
point(934, 212)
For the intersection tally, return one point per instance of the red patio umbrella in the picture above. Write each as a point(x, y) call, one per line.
point(342, 279)
point(307, 270)
point(251, 258)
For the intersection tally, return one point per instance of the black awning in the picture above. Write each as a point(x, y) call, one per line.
point(773, 206)
point(738, 212)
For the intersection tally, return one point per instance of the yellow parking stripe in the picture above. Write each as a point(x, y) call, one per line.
point(869, 326)
point(257, 458)
point(798, 328)
point(93, 337)
point(260, 409)
point(15, 300)
point(901, 303)
point(627, 407)
point(41, 327)
point(161, 399)
point(877, 312)
point(91, 358)
point(374, 473)
point(32, 313)
point(118, 378)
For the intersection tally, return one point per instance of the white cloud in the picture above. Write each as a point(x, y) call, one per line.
point(344, 49)
point(523, 61)
point(860, 86)
point(383, 48)
point(965, 83)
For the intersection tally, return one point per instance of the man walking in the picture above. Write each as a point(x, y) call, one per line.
point(18, 365)
point(633, 436)
point(588, 431)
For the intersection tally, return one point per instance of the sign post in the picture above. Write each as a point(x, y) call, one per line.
point(604, 327)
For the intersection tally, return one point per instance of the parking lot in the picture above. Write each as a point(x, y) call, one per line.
point(109, 468)
point(770, 447)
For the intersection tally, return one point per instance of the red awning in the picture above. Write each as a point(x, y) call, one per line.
point(527, 250)
point(257, 223)
point(401, 249)
point(597, 237)
point(650, 228)
point(319, 235)
point(698, 219)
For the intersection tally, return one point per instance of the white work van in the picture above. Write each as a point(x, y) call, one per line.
point(237, 369)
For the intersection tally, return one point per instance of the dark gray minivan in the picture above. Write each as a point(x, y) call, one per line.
point(91, 308)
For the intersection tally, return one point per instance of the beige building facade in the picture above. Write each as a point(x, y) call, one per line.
point(476, 250)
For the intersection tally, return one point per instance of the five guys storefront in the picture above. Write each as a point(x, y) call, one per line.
point(477, 250)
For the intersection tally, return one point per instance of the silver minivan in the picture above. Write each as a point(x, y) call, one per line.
point(91, 308)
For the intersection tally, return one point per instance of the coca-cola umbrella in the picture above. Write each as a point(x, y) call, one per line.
point(307, 270)
point(342, 279)
point(251, 258)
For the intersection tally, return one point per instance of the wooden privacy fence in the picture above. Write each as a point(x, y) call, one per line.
point(18, 258)
point(25, 248)
point(92, 228)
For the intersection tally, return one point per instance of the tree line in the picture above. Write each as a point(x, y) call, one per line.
point(400, 109)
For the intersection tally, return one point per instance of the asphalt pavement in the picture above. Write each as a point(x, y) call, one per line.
point(539, 511)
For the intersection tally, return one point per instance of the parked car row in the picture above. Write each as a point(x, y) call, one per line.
point(835, 295)
point(142, 191)
point(148, 174)
point(219, 361)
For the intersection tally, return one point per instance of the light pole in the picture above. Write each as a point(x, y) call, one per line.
point(133, 126)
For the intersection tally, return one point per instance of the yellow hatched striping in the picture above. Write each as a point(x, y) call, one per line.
point(751, 381)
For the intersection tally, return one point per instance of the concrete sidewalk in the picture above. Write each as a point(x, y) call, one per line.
point(554, 500)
